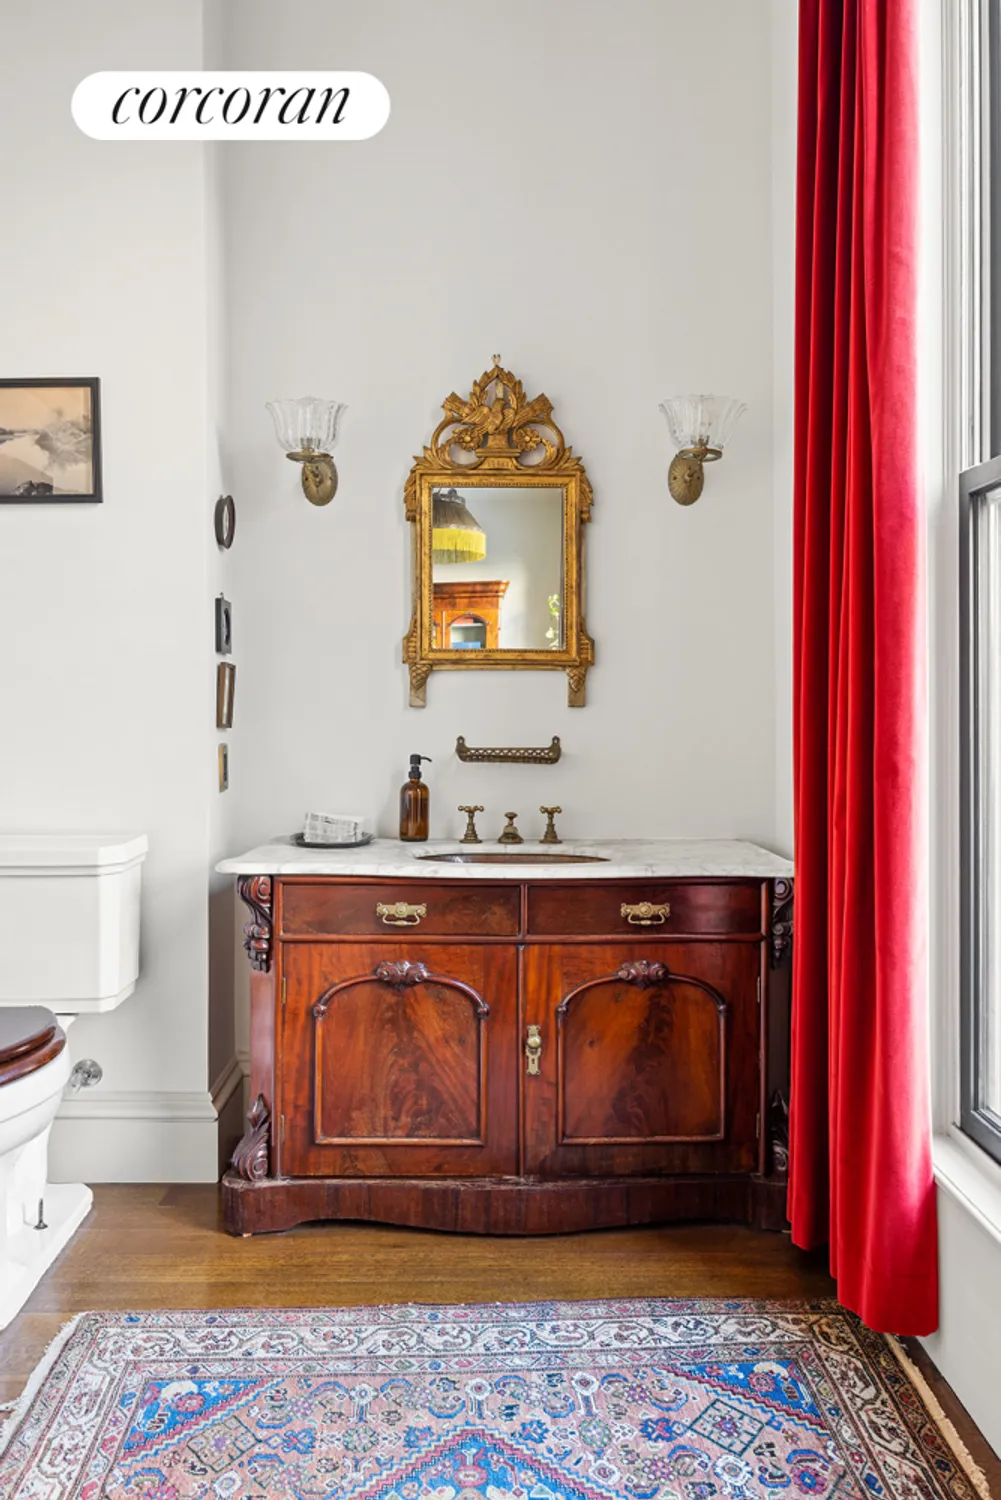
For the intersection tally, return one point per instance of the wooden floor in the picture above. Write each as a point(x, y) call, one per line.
point(163, 1247)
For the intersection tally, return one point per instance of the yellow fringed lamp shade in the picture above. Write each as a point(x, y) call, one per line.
point(456, 535)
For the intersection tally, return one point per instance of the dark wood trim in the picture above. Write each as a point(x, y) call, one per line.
point(537, 938)
point(501, 1206)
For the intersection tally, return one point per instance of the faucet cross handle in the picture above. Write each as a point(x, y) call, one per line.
point(550, 836)
point(510, 834)
point(471, 836)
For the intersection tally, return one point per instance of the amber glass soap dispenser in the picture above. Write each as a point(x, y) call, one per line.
point(415, 804)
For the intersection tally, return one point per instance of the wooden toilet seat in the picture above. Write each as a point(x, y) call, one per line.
point(30, 1037)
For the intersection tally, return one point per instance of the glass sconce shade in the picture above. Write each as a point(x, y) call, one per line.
point(307, 430)
point(701, 425)
point(456, 535)
point(306, 424)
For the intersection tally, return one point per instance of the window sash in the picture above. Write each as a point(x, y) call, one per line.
point(980, 793)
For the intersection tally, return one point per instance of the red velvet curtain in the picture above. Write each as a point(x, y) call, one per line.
point(860, 1168)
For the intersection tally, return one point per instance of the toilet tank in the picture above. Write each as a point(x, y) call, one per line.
point(69, 919)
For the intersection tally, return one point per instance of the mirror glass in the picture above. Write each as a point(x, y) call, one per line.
point(497, 568)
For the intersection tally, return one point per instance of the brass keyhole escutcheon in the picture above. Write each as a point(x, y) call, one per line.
point(533, 1048)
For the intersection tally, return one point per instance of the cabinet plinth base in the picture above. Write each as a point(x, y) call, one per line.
point(502, 1205)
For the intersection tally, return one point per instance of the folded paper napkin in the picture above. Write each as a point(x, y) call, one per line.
point(332, 828)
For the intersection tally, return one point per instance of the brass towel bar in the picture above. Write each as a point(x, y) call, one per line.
point(548, 755)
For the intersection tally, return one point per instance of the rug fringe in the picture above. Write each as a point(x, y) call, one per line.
point(946, 1427)
point(18, 1408)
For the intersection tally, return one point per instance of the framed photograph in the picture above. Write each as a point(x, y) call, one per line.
point(223, 626)
point(50, 441)
point(225, 684)
point(224, 768)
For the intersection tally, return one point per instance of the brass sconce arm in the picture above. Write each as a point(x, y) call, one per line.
point(685, 477)
point(319, 475)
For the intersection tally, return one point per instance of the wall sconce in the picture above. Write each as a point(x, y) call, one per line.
point(700, 427)
point(307, 430)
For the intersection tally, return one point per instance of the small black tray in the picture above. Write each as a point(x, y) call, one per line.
point(301, 843)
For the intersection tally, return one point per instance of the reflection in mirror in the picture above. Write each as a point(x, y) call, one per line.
point(497, 567)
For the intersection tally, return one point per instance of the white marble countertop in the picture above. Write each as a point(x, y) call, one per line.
point(616, 859)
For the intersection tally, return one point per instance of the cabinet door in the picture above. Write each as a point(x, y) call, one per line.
point(399, 1060)
point(649, 1061)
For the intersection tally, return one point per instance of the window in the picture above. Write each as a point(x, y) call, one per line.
point(980, 574)
point(980, 601)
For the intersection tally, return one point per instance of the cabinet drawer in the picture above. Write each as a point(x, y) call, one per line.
point(325, 909)
point(587, 909)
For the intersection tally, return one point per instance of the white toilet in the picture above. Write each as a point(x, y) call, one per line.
point(69, 945)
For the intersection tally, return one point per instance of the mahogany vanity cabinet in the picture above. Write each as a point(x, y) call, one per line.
point(514, 1057)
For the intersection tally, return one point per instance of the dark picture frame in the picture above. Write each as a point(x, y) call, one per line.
point(223, 626)
point(50, 441)
point(225, 688)
point(224, 521)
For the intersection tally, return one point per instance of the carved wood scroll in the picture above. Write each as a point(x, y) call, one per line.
point(401, 975)
point(778, 1133)
point(255, 891)
point(645, 975)
point(250, 1159)
point(782, 916)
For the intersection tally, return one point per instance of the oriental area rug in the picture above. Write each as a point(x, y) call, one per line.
point(652, 1400)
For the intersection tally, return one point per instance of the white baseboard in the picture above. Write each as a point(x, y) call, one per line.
point(130, 1135)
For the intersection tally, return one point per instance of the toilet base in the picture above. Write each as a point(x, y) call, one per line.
point(31, 1251)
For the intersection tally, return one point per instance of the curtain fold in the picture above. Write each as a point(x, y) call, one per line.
point(860, 1143)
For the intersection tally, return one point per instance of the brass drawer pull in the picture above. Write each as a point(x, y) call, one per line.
point(646, 913)
point(400, 913)
point(533, 1049)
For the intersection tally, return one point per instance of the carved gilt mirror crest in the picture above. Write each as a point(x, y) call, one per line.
point(497, 503)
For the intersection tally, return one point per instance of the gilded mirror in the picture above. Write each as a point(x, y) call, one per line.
point(497, 504)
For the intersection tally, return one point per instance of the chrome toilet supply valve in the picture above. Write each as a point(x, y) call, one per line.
point(510, 834)
point(85, 1075)
point(471, 836)
point(550, 836)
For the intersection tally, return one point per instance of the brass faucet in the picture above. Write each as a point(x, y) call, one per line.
point(510, 834)
point(550, 836)
point(471, 836)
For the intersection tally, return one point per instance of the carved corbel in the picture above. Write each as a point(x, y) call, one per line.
point(782, 917)
point(778, 1134)
point(643, 974)
point(251, 1159)
point(256, 893)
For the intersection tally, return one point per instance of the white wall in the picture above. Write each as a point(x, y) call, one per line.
point(105, 611)
point(785, 35)
point(576, 189)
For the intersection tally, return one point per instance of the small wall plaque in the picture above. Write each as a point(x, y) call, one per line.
point(225, 686)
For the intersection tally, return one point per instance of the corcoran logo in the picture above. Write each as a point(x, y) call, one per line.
point(229, 106)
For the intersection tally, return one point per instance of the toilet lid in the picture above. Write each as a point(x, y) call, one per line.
point(30, 1037)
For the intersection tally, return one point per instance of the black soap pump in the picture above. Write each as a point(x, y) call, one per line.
point(415, 804)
